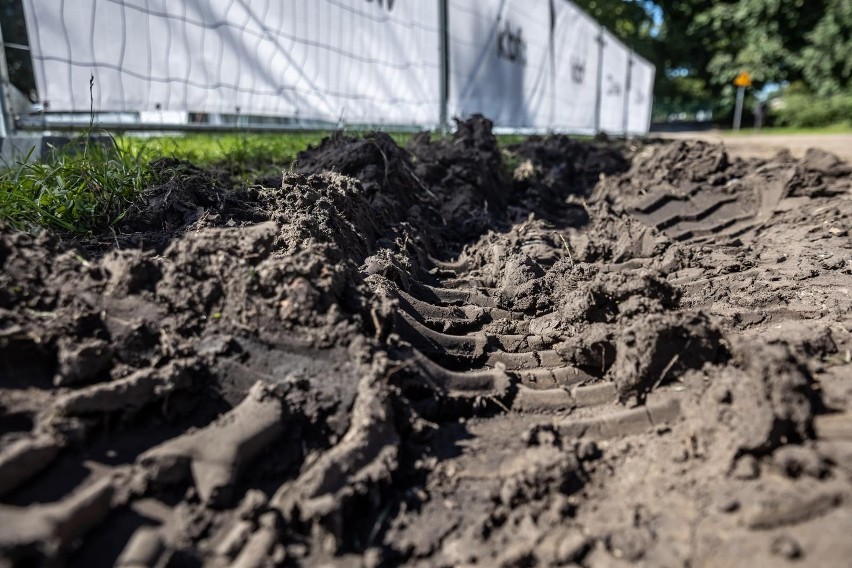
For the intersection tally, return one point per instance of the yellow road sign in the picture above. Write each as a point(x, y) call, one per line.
point(743, 79)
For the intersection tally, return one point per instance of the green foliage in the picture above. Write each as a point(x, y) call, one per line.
point(80, 191)
point(629, 20)
point(797, 41)
point(759, 36)
point(805, 111)
point(717, 40)
point(680, 94)
point(826, 62)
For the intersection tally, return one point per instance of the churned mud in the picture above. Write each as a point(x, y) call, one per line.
point(572, 354)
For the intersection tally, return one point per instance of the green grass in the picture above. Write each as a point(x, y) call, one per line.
point(89, 187)
point(840, 128)
point(80, 192)
point(89, 190)
point(807, 111)
point(236, 152)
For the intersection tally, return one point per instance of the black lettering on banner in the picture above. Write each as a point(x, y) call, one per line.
point(578, 70)
point(613, 88)
point(383, 3)
point(511, 44)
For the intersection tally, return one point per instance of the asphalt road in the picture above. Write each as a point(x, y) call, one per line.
point(767, 145)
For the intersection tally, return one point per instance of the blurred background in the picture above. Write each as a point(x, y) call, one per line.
point(798, 53)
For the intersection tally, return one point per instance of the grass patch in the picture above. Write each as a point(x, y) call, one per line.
point(87, 188)
point(80, 191)
point(233, 152)
point(90, 188)
point(809, 111)
point(839, 128)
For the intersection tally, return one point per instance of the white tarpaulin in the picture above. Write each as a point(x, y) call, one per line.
point(575, 87)
point(616, 58)
point(531, 64)
point(641, 96)
point(500, 61)
point(374, 61)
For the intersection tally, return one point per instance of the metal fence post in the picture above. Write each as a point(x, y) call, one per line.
point(552, 44)
point(444, 26)
point(7, 125)
point(599, 94)
point(627, 86)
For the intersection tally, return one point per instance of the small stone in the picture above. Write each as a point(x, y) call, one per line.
point(509, 492)
point(572, 548)
point(562, 507)
point(588, 450)
point(746, 468)
point(787, 547)
point(253, 502)
point(82, 363)
point(279, 555)
point(630, 543)
point(834, 262)
point(373, 558)
point(297, 550)
point(724, 396)
point(795, 461)
point(729, 506)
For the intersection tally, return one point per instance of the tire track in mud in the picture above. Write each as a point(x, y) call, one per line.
point(408, 357)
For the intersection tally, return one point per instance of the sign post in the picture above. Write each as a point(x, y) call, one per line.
point(742, 81)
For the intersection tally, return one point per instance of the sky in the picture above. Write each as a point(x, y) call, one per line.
point(656, 14)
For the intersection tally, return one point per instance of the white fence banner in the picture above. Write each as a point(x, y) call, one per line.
point(500, 61)
point(525, 64)
point(616, 59)
point(359, 61)
point(575, 87)
point(641, 96)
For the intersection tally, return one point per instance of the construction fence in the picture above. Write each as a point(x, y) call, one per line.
point(537, 65)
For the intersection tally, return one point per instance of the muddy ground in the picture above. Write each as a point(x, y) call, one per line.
point(573, 354)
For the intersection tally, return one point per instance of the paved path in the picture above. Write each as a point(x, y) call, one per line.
point(767, 145)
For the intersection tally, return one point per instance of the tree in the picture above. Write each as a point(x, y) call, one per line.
point(758, 36)
point(701, 45)
point(826, 62)
point(630, 20)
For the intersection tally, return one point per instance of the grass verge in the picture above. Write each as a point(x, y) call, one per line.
point(90, 188)
point(839, 128)
point(80, 192)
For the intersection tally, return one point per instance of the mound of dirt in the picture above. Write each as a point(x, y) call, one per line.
point(553, 168)
point(183, 194)
point(466, 176)
point(415, 356)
